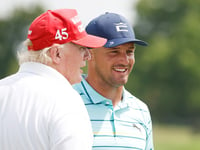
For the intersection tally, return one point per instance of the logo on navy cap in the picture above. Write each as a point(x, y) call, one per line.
point(121, 27)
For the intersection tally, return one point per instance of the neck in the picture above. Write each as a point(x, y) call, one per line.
point(108, 91)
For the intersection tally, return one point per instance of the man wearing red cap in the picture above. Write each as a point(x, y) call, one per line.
point(39, 109)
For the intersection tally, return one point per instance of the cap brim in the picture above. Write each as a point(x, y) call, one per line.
point(91, 41)
point(117, 42)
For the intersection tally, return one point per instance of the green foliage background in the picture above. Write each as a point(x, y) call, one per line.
point(167, 72)
point(13, 31)
point(166, 75)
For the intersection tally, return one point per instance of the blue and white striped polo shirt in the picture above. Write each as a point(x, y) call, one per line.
point(127, 126)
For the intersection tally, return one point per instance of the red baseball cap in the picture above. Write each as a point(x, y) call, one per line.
point(60, 26)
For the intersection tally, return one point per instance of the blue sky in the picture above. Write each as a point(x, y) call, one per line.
point(87, 9)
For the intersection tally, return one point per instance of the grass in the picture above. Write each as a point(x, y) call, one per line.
point(168, 137)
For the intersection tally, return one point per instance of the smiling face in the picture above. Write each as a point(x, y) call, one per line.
point(112, 66)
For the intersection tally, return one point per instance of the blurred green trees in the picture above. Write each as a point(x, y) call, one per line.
point(167, 72)
point(13, 31)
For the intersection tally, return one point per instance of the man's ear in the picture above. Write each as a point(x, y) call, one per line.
point(91, 54)
point(55, 54)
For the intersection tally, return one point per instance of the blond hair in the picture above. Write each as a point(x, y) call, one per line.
point(25, 55)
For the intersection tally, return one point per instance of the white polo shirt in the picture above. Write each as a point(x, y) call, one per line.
point(39, 110)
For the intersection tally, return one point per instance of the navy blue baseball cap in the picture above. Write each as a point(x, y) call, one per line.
point(115, 28)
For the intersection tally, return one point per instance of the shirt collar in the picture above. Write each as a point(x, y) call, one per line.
point(95, 97)
point(42, 70)
point(125, 102)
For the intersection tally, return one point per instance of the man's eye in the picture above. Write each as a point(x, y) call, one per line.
point(130, 52)
point(114, 51)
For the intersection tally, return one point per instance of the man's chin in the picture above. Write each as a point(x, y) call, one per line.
point(121, 82)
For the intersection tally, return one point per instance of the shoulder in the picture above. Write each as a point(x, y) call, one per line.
point(80, 88)
point(135, 102)
point(140, 109)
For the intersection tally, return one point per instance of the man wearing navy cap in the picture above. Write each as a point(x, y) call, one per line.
point(120, 121)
